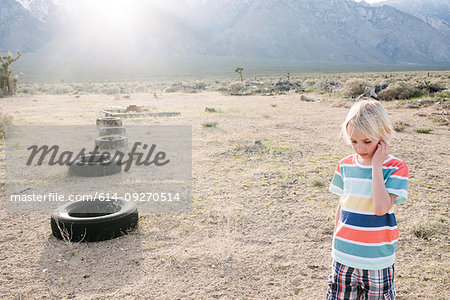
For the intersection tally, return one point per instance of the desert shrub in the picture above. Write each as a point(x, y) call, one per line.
point(440, 119)
point(423, 130)
point(399, 126)
point(236, 87)
point(27, 90)
point(110, 90)
point(310, 82)
point(209, 124)
point(140, 88)
point(443, 95)
point(44, 89)
point(355, 86)
point(200, 85)
point(418, 94)
point(62, 89)
point(88, 87)
point(5, 120)
point(430, 226)
point(210, 110)
point(398, 90)
point(174, 87)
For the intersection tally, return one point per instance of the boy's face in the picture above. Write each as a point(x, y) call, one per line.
point(365, 147)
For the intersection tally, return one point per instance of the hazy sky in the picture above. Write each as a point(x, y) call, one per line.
point(370, 1)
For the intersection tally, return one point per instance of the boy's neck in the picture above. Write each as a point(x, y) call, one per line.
point(364, 162)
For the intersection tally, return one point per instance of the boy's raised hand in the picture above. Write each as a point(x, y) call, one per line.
point(381, 153)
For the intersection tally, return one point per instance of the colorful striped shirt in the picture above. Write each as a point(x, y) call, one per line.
point(362, 239)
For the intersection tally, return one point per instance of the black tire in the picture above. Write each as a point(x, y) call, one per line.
point(112, 142)
point(93, 221)
point(109, 122)
point(102, 131)
point(94, 166)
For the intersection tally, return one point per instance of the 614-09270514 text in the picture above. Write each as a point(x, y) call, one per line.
point(48, 165)
point(135, 197)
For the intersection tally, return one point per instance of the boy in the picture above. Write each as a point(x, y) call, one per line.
point(369, 183)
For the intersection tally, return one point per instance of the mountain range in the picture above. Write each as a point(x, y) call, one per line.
point(434, 12)
point(393, 32)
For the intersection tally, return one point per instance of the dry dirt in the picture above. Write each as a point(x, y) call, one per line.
point(261, 221)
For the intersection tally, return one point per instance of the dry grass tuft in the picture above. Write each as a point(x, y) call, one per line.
point(423, 130)
point(429, 226)
point(5, 120)
point(355, 86)
point(236, 88)
point(399, 126)
point(398, 90)
point(209, 124)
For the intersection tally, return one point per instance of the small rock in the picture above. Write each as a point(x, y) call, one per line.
point(370, 93)
point(381, 87)
point(309, 99)
point(135, 108)
point(313, 267)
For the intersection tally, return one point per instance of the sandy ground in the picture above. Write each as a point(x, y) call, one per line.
point(261, 223)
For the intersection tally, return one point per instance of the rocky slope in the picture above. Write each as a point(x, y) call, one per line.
point(434, 12)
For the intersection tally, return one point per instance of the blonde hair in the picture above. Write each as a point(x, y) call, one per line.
point(369, 117)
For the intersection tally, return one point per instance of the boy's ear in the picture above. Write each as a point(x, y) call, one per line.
point(389, 132)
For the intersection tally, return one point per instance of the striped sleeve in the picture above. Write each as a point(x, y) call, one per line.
point(337, 184)
point(397, 183)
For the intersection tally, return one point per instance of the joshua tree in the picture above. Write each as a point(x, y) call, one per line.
point(239, 70)
point(8, 83)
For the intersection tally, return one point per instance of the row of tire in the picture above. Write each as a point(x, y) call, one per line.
point(112, 138)
point(100, 219)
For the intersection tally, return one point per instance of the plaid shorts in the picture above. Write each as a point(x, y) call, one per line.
point(350, 283)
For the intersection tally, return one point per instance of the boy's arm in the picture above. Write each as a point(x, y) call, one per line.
point(382, 200)
point(338, 217)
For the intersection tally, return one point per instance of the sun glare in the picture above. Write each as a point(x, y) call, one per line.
point(110, 26)
point(110, 15)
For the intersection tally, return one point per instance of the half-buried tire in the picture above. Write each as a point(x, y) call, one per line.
point(109, 121)
point(95, 166)
point(92, 221)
